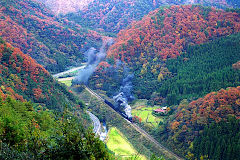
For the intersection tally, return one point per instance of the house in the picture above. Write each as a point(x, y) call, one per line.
point(160, 111)
point(164, 108)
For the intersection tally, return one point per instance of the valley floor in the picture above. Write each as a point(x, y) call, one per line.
point(119, 144)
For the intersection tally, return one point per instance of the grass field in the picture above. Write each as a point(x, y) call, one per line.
point(139, 103)
point(66, 81)
point(142, 110)
point(120, 146)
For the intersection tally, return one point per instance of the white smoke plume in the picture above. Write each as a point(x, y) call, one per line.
point(125, 93)
point(123, 103)
point(94, 59)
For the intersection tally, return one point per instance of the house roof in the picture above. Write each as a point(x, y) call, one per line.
point(159, 110)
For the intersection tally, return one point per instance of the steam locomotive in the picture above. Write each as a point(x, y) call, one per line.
point(118, 110)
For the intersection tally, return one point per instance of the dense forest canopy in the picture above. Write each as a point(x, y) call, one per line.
point(192, 118)
point(166, 34)
point(202, 69)
point(181, 54)
point(26, 133)
point(22, 78)
point(54, 42)
point(218, 141)
point(114, 15)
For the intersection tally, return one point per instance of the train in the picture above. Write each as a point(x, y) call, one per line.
point(117, 110)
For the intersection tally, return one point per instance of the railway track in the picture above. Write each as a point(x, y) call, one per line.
point(140, 130)
point(144, 133)
point(94, 94)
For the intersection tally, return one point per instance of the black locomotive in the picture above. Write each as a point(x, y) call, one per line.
point(118, 110)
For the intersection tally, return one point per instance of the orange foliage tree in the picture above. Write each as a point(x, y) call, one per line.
point(166, 31)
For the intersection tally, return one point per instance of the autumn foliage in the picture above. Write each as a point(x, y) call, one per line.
point(236, 65)
point(114, 15)
point(14, 61)
point(191, 118)
point(51, 41)
point(215, 106)
point(137, 119)
point(165, 32)
point(22, 78)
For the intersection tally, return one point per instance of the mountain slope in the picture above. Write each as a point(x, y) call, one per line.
point(26, 133)
point(64, 7)
point(166, 34)
point(202, 69)
point(225, 134)
point(166, 31)
point(114, 15)
point(24, 79)
point(218, 3)
point(191, 119)
point(55, 43)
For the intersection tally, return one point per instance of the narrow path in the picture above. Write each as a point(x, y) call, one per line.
point(140, 130)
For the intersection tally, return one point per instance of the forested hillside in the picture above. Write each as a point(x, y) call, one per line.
point(202, 69)
point(27, 133)
point(225, 134)
point(114, 15)
point(166, 34)
point(215, 114)
point(47, 127)
point(22, 78)
point(219, 3)
point(55, 43)
point(184, 52)
point(165, 56)
point(64, 7)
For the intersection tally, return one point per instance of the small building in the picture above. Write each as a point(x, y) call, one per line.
point(164, 108)
point(160, 111)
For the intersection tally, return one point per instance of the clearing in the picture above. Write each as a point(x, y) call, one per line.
point(142, 110)
point(67, 81)
point(119, 144)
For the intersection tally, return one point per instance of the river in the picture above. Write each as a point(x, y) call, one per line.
point(69, 71)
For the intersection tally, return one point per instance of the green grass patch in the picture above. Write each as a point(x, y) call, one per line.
point(139, 102)
point(118, 143)
point(67, 82)
point(142, 110)
point(147, 117)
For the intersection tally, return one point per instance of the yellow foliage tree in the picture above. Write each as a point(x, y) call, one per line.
point(160, 77)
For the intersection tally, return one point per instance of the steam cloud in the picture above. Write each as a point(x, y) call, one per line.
point(125, 93)
point(93, 60)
